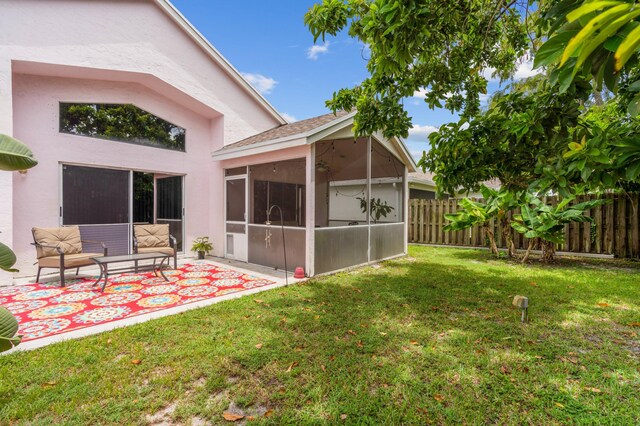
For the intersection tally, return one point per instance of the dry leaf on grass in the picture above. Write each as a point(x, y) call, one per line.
point(136, 362)
point(293, 364)
point(414, 342)
point(438, 397)
point(559, 405)
point(634, 324)
point(258, 300)
point(604, 305)
point(232, 417)
point(594, 390)
point(360, 343)
point(382, 333)
point(343, 416)
point(47, 384)
point(268, 413)
point(259, 346)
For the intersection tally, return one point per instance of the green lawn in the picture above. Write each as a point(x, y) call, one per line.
point(428, 339)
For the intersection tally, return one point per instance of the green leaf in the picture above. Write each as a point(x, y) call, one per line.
point(633, 171)
point(598, 23)
point(552, 49)
point(591, 45)
point(8, 330)
point(589, 7)
point(627, 48)
point(7, 258)
point(14, 155)
point(634, 106)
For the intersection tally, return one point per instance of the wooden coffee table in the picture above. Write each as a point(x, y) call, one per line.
point(104, 261)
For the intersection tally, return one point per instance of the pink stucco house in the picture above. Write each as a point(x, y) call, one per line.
point(135, 117)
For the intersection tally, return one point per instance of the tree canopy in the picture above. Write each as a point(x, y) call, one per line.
point(441, 47)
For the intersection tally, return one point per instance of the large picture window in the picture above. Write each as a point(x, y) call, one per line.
point(120, 122)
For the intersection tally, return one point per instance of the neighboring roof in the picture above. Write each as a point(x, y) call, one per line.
point(196, 36)
point(422, 178)
point(301, 128)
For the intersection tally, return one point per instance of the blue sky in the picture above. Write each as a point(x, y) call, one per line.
point(267, 41)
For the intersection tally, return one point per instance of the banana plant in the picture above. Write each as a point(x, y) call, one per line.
point(497, 205)
point(14, 156)
point(539, 220)
point(473, 213)
point(8, 330)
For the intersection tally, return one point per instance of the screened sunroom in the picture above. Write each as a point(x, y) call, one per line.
point(314, 192)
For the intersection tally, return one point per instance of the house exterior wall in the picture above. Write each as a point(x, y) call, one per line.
point(114, 51)
point(134, 36)
point(36, 194)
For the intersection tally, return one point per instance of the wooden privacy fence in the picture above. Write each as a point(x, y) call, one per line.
point(615, 228)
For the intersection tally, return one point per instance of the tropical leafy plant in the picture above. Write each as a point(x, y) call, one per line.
point(545, 222)
point(377, 208)
point(201, 244)
point(473, 213)
point(497, 205)
point(8, 330)
point(14, 155)
point(597, 38)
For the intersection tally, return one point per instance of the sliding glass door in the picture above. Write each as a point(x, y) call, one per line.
point(99, 201)
point(105, 203)
point(169, 206)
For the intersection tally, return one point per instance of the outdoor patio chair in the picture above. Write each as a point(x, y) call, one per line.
point(61, 248)
point(155, 238)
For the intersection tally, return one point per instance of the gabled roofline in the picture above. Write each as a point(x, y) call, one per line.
point(304, 138)
point(308, 138)
point(201, 41)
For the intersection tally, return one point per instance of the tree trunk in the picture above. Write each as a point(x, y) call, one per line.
point(492, 241)
point(532, 242)
point(548, 251)
point(507, 235)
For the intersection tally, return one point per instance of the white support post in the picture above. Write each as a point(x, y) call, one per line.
point(405, 206)
point(310, 206)
point(369, 199)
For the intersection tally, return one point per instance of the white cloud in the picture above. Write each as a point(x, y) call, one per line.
point(421, 131)
point(525, 70)
point(263, 84)
point(290, 118)
point(422, 93)
point(314, 51)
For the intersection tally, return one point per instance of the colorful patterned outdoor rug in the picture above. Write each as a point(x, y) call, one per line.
point(46, 309)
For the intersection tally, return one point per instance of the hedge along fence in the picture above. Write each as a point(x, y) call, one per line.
point(615, 228)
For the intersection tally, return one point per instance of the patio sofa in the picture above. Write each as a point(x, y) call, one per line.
point(61, 248)
point(153, 239)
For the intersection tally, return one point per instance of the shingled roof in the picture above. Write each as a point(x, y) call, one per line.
point(291, 129)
